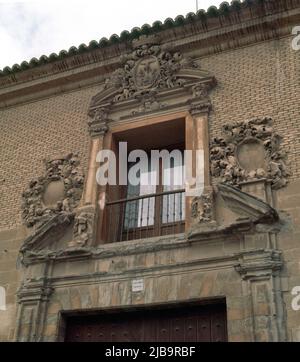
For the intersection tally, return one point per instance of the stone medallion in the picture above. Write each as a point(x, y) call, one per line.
point(249, 150)
point(146, 72)
point(58, 191)
point(148, 68)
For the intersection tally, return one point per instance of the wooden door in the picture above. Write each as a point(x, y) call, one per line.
point(184, 324)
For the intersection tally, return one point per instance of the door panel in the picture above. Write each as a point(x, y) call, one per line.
point(185, 324)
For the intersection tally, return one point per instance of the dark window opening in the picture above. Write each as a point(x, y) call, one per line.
point(156, 205)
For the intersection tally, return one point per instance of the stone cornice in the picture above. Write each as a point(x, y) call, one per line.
point(240, 27)
point(252, 264)
point(132, 247)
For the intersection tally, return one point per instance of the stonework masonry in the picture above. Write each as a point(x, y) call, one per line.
point(254, 79)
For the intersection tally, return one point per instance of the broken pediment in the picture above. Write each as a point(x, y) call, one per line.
point(52, 235)
point(65, 233)
point(149, 71)
point(149, 68)
point(247, 206)
point(227, 210)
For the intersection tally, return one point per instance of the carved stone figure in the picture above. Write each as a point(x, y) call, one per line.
point(259, 142)
point(36, 209)
point(202, 208)
point(148, 103)
point(200, 90)
point(146, 72)
point(98, 124)
point(82, 229)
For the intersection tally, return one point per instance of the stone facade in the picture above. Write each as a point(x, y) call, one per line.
point(242, 239)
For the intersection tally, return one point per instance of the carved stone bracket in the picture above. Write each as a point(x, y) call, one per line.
point(200, 102)
point(249, 150)
point(98, 124)
point(58, 191)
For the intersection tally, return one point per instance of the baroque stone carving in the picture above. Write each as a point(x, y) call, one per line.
point(149, 67)
point(202, 208)
point(148, 103)
point(98, 124)
point(224, 153)
point(150, 75)
point(200, 107)
point(83, 229)
point(41, 238)
point(61, 169)
point(200, 90)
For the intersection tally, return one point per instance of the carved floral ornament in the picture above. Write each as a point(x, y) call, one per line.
point(202, 208)
point(249, 150)
point(147, 74)
point(148, 68)
point(83, 229)
point(58, 191)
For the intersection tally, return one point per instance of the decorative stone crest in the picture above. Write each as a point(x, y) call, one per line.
point(149, 67)
point(58, 191)
point(149, 78)
point(249, 150)
point(202, 208)
point(146, 72)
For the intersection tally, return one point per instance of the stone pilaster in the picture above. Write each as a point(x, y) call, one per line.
point(33, 299)
point(87, 215)
point(260, 270)
point(202, 206)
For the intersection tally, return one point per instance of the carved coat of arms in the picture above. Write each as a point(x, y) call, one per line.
point(146, 72)
point(147, 69)
point(145, 76)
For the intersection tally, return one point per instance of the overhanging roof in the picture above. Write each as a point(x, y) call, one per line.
point(258, 8)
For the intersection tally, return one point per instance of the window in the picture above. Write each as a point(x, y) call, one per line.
point(156, 208)
point(156, 204)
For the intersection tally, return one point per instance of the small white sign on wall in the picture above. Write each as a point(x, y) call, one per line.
point(137, 285)
point(2, 298)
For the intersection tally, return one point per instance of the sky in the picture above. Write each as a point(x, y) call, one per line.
point(31, 28)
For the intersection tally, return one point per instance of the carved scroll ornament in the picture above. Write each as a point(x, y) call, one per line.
point(260, 144)
point(150, 76)
point(83, 229)
point(202, 208)
point(149, 67)
point(67, 175)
